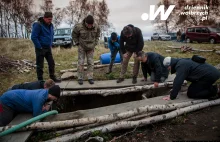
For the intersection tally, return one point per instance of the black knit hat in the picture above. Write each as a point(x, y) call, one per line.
point(48, 15)
point(127, 30)
point(114, 36)
point(89, 19)
point(55, 91)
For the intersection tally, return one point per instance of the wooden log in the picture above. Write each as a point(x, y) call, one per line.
point(72, 130)
point(217, 52)
point(133, 124)
point(85, 64)
point(105, 118)
point(108, 92)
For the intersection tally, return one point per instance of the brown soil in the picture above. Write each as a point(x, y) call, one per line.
point(203, 125)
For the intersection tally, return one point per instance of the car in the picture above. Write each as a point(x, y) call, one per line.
point(203, 34)
point(157, 36)
point(173, 36)
point(63, 37)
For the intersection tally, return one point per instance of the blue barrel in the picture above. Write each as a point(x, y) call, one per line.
point(106, 58)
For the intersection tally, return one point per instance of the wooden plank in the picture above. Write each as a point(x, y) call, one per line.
point(19, 136)
point(115, 108)
point(73, 85)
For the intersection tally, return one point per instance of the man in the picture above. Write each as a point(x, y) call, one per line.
point(42, 37)
point(18, 101)
point(134, 42)
point(114, 46)
point(178, 34)
point(34, 85)
point(202, 76)
point(152, 64)
point(86, 36)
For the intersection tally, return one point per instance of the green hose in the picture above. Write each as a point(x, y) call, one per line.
point(25, 123)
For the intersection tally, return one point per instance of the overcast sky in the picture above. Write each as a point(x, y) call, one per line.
point(122, 13)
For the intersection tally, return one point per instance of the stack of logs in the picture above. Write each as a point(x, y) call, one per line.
point(20, 65)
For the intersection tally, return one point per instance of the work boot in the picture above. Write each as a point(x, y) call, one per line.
point(120, 80)
point(134, 80)
point(91, 81)
point(80, 81)
point(55, 79)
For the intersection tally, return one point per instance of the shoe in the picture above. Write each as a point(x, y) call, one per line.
point(80, 81)
point(109, 72)
point(55, 79)
point(91, 81)
point(134, 80)
point(120, 80)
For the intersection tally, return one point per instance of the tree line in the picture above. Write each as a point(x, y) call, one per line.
point(17, 16)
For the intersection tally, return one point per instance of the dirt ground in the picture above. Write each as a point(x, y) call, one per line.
point(203, 125)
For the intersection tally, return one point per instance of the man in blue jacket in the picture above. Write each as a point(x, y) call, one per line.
point(32, 101)
point(42, 37)
point(114, 46)
point(152, 64)
point(202, 76)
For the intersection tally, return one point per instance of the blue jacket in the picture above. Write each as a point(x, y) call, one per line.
point(189, 70)
point(111, 45)
point(42, 34)
point(25, 100)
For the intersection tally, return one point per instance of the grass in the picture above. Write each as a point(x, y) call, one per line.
point(24, 49)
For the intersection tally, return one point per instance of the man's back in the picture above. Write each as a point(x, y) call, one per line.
point(25, 100)
point(30, 86)
point(196, 71)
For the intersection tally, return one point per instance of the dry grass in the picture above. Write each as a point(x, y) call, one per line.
point(24, 49)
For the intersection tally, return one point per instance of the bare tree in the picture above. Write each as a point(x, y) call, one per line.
point(58, 16)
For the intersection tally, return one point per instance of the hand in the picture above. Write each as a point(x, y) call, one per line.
point(156, 84)
point(116, 44)
point(167, 98)
point(46, 107)
point(134, 55)
point(125, 55)
point(144, 79)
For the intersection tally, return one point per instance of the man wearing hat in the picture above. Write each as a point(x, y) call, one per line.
point(201, 75)
point(42, 37)
point(86, 36)
point(114, 46)
point(32, 101)
point(131, 42)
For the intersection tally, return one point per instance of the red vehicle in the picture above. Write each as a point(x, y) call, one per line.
point(203, 34)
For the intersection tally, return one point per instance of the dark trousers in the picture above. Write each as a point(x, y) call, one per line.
point(6, 115)
point(40, 55)
point(113, 56)
point(201, 90)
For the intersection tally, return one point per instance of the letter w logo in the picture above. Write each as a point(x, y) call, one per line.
point(163, 16)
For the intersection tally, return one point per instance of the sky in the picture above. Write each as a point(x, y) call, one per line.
point(122, 13)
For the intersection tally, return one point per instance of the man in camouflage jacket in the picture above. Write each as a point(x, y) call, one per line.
point(86, 36)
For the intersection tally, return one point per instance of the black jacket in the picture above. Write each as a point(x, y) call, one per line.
point(29, 86)
point(154, 64)
point(133, 44)
point(189, 70)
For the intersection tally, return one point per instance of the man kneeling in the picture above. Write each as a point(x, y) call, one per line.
point(152, 64)
point(34, 85)
point(18, 101)
point(202, 76)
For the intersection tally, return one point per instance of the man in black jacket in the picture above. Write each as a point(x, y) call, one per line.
point(152, 64)
point(134, 42)
point(34, 85)
point(202, 76)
